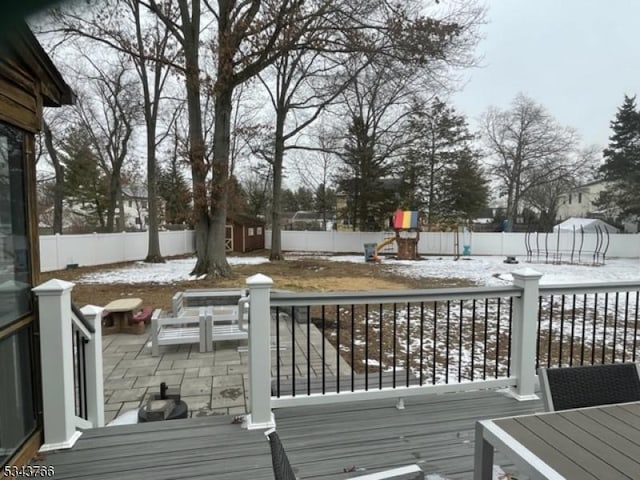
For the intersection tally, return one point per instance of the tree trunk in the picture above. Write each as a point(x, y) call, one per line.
point(278, 161)
point(113, 201)
point(216, 262)
point(153, 251)
point(58, 189)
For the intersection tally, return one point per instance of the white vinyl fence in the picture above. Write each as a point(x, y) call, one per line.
point(442, 243)
point(58, 251)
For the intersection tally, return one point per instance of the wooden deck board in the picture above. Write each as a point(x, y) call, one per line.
point(435, 431)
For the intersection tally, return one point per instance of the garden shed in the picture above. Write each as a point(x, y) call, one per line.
point(244, 233)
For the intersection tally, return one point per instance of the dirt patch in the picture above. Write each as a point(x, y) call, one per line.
point(308, 274)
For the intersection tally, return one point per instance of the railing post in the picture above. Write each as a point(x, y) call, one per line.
point(56, 351)
point(95, 386)
point(260, 415)
point(523, 334)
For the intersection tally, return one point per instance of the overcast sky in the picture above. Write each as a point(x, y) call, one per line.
point(576, 57)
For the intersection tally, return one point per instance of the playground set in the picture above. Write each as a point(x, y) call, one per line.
point(570, 247)
point(407, 234)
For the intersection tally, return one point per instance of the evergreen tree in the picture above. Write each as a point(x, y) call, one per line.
point(466, 191)
point(622, 160)
point(324, 202)
point(174, 191)
point(85, 183)
point(436, 160)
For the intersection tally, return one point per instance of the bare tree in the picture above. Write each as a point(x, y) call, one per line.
point(109, 109)
point(529, 149)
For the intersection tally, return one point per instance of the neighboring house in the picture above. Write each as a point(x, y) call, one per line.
point(136, 207)
point(308, 220)
point(28, 82)
point(580, 201)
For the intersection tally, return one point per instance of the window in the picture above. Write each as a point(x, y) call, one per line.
point(130, 204)
point(579, 197)
point(251, 231)
point(259, 231)
point(569, 199)
point(144, 204)
point(15, 277)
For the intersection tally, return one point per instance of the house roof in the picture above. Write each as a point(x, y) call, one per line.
point(21, 44)
point(245, 219)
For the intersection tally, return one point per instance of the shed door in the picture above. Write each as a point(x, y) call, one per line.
point(228, 238)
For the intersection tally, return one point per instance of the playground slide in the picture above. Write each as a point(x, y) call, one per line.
point(384, 243)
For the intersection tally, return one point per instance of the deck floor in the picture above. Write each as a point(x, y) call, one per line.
point(436, 431)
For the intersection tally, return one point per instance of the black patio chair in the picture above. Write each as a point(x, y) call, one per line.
point(589, 385)
point(282, 469)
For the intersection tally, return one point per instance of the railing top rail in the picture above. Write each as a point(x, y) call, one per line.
point(282, 299)
point(82, 321)
point(581, 288)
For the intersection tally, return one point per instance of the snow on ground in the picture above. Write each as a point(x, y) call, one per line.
point(492, 271)
point(169, 272)
point(489, 271)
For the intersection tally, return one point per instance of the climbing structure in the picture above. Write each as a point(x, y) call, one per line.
point(407, 234)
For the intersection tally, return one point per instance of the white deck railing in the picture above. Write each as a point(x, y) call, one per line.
point(540, 328)
point(62, 427)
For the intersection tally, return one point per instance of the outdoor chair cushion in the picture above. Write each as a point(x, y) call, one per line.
point(589, 385)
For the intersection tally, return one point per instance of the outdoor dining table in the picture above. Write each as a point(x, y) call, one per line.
point(592, 443)
point(121, 311)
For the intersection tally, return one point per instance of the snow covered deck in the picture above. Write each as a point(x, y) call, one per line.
point(435, 431)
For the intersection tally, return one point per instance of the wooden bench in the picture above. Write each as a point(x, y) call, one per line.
point(170, 330)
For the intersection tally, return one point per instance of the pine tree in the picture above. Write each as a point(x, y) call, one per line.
point(622, 160)
point(438, 155)
point(174, 191)
point(466, 187)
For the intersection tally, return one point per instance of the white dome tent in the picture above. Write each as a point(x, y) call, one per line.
point(588, 225)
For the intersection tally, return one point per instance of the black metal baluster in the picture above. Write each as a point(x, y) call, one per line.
point(593, 334)
point(381, 347)
point(550, 335)
point(446, 374)
point(353, 347)
point(615, 327)
point(486, 335)
point(421, 342)
point(435, 342)
point(584, 328)
point(278, 352)
point(604, 329)
point(509, 336)
point(293, 351)
point(337, 348)
point(408, 359)
point(85, 412)
point(460, 341)
point(561, 331)
point(366, 347)
point(539, 331)
point(626, 326)
point(573, 330)
point(473, 335)
point(308, 349)
point(395, 338)
point(77, 377)
point(324, 352)
point(498, 302)
point(635, 327)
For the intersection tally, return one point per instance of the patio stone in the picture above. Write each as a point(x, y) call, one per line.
point(227, 397)
point(130, 395)
point(174, 355)
point(191, 372)
point(227, 381)
point(165, 364)
point(119, 383)
point(193, 363)
point(234, 369)
point(172, 371)
point(195, 387)
point(237, 410)
point(112, 407)
point(130, 355)
point(129, 348)
point(116, 373)
point(145, 362)
point(197, 402)
point(140, 371)
point(155, 380)
point(212, 371)
point(109, 415)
